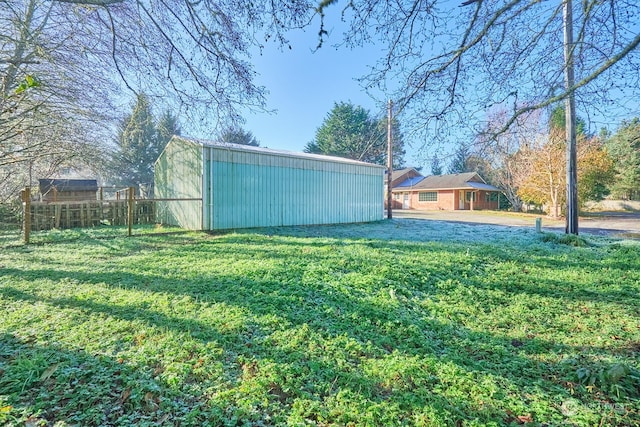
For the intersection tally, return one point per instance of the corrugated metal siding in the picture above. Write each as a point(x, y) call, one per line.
point(248, 189)
point(178, 174)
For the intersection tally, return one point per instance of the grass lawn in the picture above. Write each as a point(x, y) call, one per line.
point(400, 322)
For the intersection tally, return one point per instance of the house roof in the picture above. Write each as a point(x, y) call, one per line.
point(410, 182)
point(483, 186)
point(468, 180)
point(47, 185)
point(264, 150)
point(400, 172)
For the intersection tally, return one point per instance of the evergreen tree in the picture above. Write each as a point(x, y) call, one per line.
point(140, 141)
point(558, 120)
point(624, 148)
point(167, 127)
point(478, 163)
point(459, 161)
point(237, 135)
point(466, 161)
point(436, 167)
point(350, 131)
point(398, 151)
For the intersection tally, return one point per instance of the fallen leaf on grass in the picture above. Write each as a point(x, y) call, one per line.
point(276, 390)
point(151, 401)
point(125, 396)
point(520, 419)
point(249, 369)
point(523, 419)
point(6, 409)
point(50, 370)
point(34, 422)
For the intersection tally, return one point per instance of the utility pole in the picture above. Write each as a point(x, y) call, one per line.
point(570, 119)
point(389, 160)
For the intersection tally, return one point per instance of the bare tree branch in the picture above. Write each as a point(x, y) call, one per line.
point(103, 3)
point(448, 66)
point(562, 96)
point(70, 59)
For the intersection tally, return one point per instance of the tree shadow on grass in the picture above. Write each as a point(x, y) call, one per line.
point(400, 350)
point(408, 378)
point(409, 351)
point(45, 383)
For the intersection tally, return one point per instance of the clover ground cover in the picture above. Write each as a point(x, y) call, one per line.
point(393, 323)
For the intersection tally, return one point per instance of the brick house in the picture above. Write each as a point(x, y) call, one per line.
point(398, 177)
point(463, 191)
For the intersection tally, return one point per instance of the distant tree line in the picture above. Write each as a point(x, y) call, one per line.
point(529, 162)
point(140, 139)
point(624, 148)
point(65, 64)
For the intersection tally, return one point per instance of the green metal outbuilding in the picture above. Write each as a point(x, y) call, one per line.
point(215, 186)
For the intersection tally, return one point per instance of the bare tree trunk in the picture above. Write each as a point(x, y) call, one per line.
point(553, 197)
point(554, 203)
point(570, 112)
point(18, 56)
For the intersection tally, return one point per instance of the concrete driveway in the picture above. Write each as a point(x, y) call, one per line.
point(618, 224)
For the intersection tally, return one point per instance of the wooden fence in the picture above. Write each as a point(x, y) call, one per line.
point(124, 210)
point(47, 216)
point(127, 210)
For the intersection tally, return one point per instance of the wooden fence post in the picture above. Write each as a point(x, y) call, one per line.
point(26, 205)
point(130, 211)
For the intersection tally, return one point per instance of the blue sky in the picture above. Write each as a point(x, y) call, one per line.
point(305, 82)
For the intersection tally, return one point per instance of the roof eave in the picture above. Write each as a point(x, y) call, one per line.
point(439, 188)
point(276, 152)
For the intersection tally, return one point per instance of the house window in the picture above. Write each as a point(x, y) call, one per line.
point(471, 195)
point(396, 196)
point(491, 197)
point(428, 196)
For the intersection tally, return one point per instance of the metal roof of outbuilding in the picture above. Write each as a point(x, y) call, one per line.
point(273, 152)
